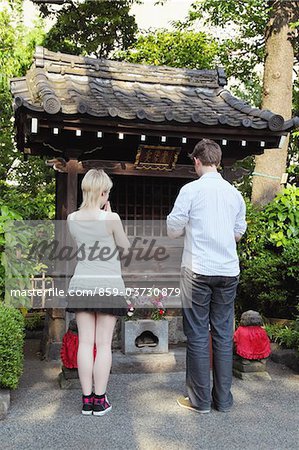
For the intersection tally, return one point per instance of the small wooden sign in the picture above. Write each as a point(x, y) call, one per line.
point(153, 157)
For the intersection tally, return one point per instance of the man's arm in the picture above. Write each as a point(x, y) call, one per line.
point(240, 225)
point(179, 216)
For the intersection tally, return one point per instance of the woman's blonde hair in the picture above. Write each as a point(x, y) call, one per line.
point(94, 183)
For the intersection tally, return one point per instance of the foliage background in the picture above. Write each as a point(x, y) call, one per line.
point(25, 186)
point(269, 257)
point(91, 27)
point(269, 252)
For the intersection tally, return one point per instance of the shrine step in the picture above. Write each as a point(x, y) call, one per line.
point(173, 361)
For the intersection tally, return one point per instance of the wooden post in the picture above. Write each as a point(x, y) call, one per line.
point(72, 198)
point(72, 185)
point(66, 202)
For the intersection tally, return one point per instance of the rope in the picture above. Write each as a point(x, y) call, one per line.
point(258, 174)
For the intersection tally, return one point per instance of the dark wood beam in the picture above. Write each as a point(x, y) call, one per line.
point(192, 130)
point(116, 168)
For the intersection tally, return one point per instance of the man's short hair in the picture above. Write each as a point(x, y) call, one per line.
point(208, 152)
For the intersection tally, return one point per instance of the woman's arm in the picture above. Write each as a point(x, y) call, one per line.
point(119, 234)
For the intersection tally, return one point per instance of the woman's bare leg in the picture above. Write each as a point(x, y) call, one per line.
point(105, 324)
point(86, 335)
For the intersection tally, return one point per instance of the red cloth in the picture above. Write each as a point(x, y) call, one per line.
point(69, 350)
point(252, 342)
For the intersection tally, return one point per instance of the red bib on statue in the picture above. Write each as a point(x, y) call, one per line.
point(252, 342)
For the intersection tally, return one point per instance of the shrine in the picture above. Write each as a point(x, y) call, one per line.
point(136, 122)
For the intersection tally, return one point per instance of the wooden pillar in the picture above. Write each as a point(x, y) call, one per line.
point(72, 185)
point(57, 317)
point(71, 205)
point(60, 200)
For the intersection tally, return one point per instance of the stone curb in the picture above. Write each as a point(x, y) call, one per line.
point(288, 357)
point(4, 402)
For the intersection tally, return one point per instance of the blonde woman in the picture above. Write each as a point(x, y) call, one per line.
point(96, 290)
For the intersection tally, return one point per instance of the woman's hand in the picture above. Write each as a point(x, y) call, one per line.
point(107, 207)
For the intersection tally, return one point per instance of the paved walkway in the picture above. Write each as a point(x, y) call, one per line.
point(145, 414)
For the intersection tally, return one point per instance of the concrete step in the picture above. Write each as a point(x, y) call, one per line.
point(173, 361)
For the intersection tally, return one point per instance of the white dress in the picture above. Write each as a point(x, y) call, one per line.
point(97, 282)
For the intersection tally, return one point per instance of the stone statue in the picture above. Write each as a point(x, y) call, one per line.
point(69, 348)
point(250, 339)
point(252, 348)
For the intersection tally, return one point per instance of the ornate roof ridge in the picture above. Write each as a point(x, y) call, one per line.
point(63, 63)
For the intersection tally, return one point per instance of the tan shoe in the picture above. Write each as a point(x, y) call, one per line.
point(184, 402)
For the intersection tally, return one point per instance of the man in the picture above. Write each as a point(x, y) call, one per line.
point(211, 213)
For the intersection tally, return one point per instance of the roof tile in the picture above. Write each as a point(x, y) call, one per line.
point(103, 88)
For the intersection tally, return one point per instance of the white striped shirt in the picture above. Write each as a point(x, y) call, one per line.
point(211, 212)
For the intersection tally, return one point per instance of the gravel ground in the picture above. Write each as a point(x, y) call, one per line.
point(145, 414)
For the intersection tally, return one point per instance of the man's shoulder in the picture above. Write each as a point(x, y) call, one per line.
point(238, 193)
point(188, 187)
point(232, 188)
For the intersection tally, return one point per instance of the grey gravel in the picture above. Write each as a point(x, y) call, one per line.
point(145, 414)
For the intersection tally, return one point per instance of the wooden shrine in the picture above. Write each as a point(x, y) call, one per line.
point(136, 122)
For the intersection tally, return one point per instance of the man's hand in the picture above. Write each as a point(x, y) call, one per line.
point(238, 237)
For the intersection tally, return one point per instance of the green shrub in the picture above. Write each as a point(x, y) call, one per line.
point(286, 336)
point(269, 257)
point(11, 346)
point(283, 217)
point(6, 215)
point(34, 322)
point(272, 330)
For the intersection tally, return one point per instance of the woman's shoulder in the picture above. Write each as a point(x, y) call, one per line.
point(71, 215)
point(112, 216)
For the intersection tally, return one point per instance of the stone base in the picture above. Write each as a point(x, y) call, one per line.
point(251, 370)
point(173, 361)
point(247, 366)
point(132, 329)
point(4, 402)
point(70, 374)
point(72, 383)
point(252, 376)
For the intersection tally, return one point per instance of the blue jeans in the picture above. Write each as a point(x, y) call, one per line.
point(208, 300)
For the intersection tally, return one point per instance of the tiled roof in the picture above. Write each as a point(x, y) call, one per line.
point(74, 85)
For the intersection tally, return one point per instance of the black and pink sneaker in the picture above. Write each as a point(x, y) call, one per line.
point(87, 406)
point(101, 405)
